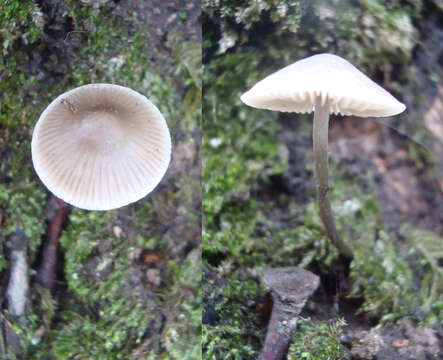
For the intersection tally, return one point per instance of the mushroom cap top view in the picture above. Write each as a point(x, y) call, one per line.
point(348, 91)
point(101, 146)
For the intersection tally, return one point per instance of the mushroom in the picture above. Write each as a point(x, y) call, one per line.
point(324, 84)
point(101, 146)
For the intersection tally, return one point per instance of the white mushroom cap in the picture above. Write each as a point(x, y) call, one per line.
point(349, 92)
point(101, 146)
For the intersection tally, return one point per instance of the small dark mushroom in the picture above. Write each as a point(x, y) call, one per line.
point(290, 287)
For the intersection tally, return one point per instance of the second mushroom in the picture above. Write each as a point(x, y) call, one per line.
point(324, 84)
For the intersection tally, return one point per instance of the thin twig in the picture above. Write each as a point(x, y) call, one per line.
point(46, 272)
point(73, 31)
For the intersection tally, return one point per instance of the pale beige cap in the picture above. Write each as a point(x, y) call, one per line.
point(349, 91)
point(101, 146)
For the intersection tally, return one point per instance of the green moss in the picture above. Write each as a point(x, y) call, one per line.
point(187, 56)
point(226, 342)
point(182, 337)
point(386, 274)
point(382, 278)
point(103, 304)
point(249, 13)
point(236, 151)
point(235, 335)
point(20, 195)
point(425, 251)
point(19, 20)
point(397, 283)
point(317, 341)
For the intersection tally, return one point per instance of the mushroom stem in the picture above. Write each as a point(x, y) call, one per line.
point(320, 140)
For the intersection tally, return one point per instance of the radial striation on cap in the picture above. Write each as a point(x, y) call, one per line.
point(349, 91)
point(101, 146)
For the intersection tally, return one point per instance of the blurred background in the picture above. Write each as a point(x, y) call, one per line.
point(386, 179)
point(126, 282)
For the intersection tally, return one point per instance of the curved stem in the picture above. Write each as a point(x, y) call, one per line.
point(320, 140)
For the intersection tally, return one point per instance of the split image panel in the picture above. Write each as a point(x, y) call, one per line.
point(100, 221)
point(265, 213)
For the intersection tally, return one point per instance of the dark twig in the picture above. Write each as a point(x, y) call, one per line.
point(46, 272)
point(290, 288)
point(73, 32)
